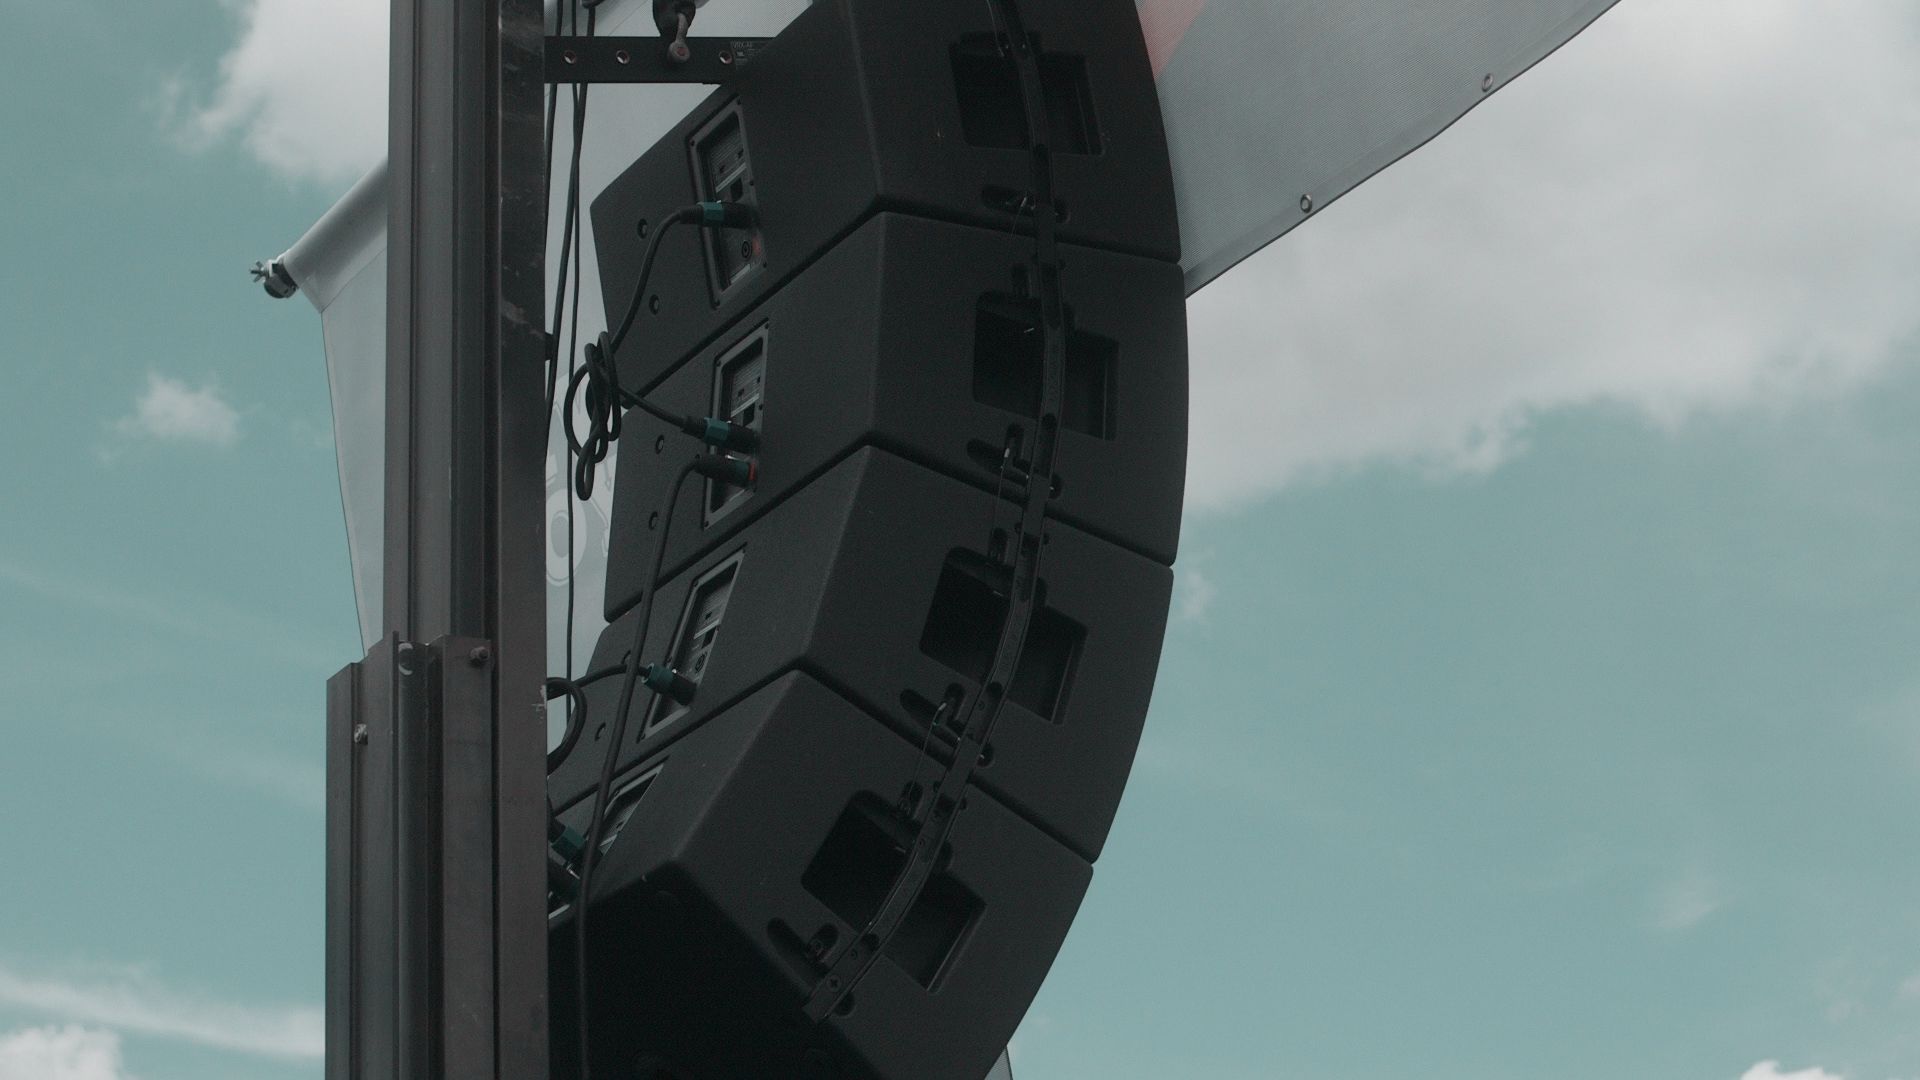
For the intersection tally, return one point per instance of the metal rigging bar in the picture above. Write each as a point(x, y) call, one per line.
point(710, 61)
point(934, 815)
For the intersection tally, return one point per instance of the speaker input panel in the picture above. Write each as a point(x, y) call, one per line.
point(739, 397)
point(698, 634)
point(724, 171)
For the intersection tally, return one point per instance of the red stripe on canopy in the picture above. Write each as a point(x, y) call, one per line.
point(1167, 23)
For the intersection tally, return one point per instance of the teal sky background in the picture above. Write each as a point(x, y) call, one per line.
point(1543, 692)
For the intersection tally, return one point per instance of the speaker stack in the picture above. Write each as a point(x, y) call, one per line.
point(923, 640)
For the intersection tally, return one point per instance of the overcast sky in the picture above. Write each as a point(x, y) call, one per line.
point(1542, 698)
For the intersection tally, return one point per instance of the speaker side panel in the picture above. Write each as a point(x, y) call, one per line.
point(881, 580)
point(766, 835)
point(918, 336)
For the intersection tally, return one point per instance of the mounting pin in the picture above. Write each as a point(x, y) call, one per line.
point(679, 51)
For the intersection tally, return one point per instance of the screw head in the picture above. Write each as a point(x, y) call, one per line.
point(479, 656)
point(726, 56)
point(1306, 204)
point(622, 57)
point(360, 735)
point(1486, 83)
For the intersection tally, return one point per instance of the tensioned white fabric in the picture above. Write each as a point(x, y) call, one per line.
point(1275, 108)
point(341, 267)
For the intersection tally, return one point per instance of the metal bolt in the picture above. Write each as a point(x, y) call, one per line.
point(570, 56)
point(622, 56)
point(360, 735)
point(479, 656)
point(1306, 204)
point(726, 56)
point(653, 303)
point(1486, 84)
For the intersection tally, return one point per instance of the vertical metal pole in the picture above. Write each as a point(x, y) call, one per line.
point(464, 569)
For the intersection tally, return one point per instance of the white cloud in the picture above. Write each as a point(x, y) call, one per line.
point(305, 87)
point(172, 611)
point(68, 1053)
point(1770, 1070)
point(1687, 901)
point(1193, 592)
point(172, 411)
point(1695, 206)
point(134, 1004)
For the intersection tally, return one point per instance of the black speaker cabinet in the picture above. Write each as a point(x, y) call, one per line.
point(881, 580)
point(919, 336)
point(878, 325)
point(753, 843)
point(868, 105)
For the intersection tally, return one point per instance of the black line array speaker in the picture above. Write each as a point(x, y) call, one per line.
point(862, 106)
point(918, 336)
point(762, 837)
point(958, 329)
point(881, 579)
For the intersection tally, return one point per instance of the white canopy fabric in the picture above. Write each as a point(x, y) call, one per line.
point(340, 266)
point(1275, 108)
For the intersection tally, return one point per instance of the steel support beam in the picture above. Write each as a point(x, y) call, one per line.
point(437, 965)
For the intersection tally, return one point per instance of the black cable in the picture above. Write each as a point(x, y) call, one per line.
point(600, 675)
point(570, 252)
point(659, 233)
point(599, 376)
point(596, 389)
point(653, 410)
point(553, 106)
point(571, 218)
point(576, 696)
point(573, 349)
point(610, 763)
